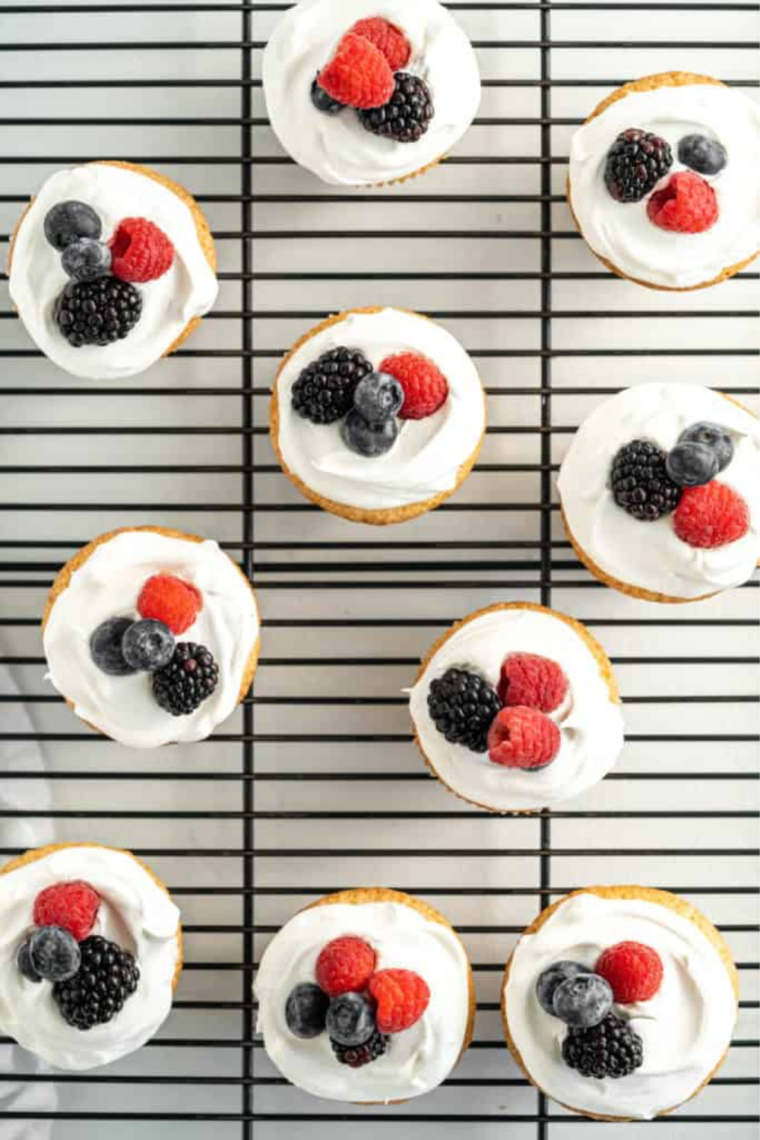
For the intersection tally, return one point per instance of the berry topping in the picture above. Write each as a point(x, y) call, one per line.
point(636, 162)
point(345, 965)
point(532, 681)
point(323, 102)
point(462, 706)
point(402, 997)
point(713, 436)
point(611, 1049)
point(350, 1020)
point(406, 117)
point(105, 647)
point(358, 75)
point(106, 979)
point(357, 1056)
point(523, 738)
point(583, 1001)
point(69, 221)
point(54, 953)
point(426, 389)
point(691, 464)
point(711, 516)
point(306, 1010)
point(86, 259)
point(324, 392)
point(73, 906)
point(633, 970)
point(369, 440)
point(170, 600)
point(25, 964)
point(148, 645)
point(97, 312)
point(141, 251)
point(687, 205)
point(387, 38)
point(378, 397)
point(187, 681)
point(706, 156)
point(640, 482)
point(554, 977)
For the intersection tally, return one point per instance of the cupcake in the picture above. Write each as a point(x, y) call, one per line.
point(370, 92)
point(663, 181)
point(152, 636)
point(366, 996)
point(620, 1002)
point(90, 956)
point(111, 267)
point(516, 709)
point(660, 492)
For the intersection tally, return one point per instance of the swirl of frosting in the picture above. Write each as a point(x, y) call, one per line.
point(649, 555)
point(338, 148)
point(134, 912)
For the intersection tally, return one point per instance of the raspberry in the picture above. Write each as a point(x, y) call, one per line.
point(140, 251)
point(687, 205)
point(711, 515)
point(402, 997)
point(633, 970)
point(426, 389)
point(387, 38)
point(345, 965)
point(523, 738)
point(532, 681)
point(170, 600)
point(73, 906)
point(358, 75)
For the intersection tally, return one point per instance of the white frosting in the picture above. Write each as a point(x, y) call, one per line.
point(338, 148)
point(686, 1027)
point(426, 457)
point(134, 912)
point(649, 554)
point(623, 233)
point(591, 725)
point(419, 1058)
point(107, 586)
point(37, 278)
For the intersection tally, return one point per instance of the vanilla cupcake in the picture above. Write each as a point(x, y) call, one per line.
point(660, 492)
point(152, 636)
point(620, 1002)
point(377, 415)
point(90, 955)
point(365, 92)
point(111, 267)
point(663, 181)
point(366, 996)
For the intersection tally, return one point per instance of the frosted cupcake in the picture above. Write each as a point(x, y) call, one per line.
point(90, 955)
point(366, 996)
point(663, 181)
point(660, 492)
point(111, 267)
point(152, 636)
point(364, 92)
point(620, 1002)
point(516, 708)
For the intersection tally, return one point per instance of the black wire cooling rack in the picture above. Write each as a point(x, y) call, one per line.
point(315, 785)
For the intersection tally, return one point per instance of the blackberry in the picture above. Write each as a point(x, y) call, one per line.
point(636, 162)
point(640, 481)
point(462, 705)
point(324, 392)
point(357, 1056)
point(107, 977)
point(187, 681)
point(97, 312)
point(407, 115)
point(611, 1049)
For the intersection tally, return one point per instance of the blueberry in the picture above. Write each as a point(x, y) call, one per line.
point(148, 645)
point(553, 977)
point(305, 1011)
point(583, 1001)
point(324, 102)
point(105, 647)
point(714, 436)
point(68, 221)
point(369, 440)
point(692, 464)
point(25, 965)
point(85, 259)
point(706, 156)
point(378, 397)
point(350, 1020)
point(54, 953)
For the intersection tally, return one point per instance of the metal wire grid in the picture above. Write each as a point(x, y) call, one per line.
point(315, 784)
